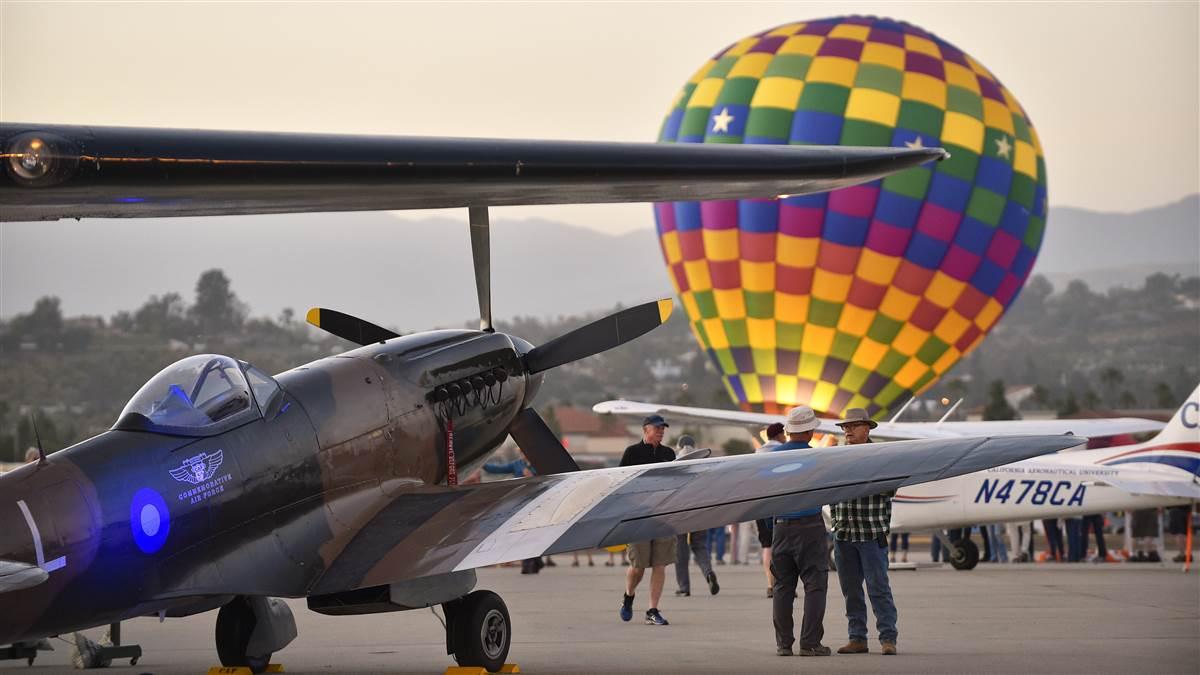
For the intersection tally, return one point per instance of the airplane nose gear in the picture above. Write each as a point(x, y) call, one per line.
point(964, 555)
point(478, 630)
point(250, 629)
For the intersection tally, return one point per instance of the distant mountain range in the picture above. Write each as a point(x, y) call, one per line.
point(1121, 249)
point(414, 274)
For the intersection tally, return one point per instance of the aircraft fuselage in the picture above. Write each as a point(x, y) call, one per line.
point(1066, 485)
point(131, 523)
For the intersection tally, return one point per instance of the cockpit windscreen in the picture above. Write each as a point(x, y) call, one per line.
point(193, 393)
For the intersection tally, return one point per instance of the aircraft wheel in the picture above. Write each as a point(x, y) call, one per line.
point(235, 623)
point(964, 555)
point(483, 631)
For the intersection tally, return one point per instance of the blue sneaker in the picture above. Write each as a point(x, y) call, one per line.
point(654, 618)
point(627, 608)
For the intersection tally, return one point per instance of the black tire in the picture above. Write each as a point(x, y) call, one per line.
point(483, 631)
point(235, 624)
point(964, 555)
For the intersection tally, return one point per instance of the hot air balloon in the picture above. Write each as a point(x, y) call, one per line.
point(864, 296)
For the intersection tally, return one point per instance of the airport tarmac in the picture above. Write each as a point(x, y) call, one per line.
point(1081, 618)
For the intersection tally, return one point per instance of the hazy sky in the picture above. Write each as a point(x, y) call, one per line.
point(1112, 88)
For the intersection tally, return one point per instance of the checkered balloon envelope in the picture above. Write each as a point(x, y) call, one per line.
point(863, 296)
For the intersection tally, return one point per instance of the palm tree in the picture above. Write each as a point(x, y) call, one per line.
point(1111, 379)
point(1163, 396)
point(1041, 396)
point(1128, 400)
point(1069, 406)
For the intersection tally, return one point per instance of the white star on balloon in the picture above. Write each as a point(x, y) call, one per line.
point(721, 121)
point(915, 144)
point(1003, 147)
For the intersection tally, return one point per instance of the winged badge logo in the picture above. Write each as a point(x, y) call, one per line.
point(197, 469)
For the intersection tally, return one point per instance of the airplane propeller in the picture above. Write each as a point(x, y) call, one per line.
point(598, 336)
point(348, 327)
point(540, 445)
point(481, 255)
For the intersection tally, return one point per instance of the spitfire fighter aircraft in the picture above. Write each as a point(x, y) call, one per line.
point(222, 487)
point(1164, 471)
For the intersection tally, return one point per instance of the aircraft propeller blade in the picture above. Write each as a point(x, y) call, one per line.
point(598, 336)
point(481, 253)
point(541, 447)
point(348, 327)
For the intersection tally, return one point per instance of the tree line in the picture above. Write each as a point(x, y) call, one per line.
point(1077, 348)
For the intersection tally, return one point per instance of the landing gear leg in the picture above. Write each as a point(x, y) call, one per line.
point(478, 630)
point(250, 629)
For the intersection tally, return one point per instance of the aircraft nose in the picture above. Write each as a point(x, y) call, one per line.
point(532, 382)
point(522, 345)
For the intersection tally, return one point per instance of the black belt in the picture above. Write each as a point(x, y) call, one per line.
point(801, 519)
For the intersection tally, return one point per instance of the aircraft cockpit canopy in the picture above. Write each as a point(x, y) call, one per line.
point(198, 396)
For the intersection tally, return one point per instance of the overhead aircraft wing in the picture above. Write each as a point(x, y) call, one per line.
point(55, 171)
point(431, 530)
point(898, 430)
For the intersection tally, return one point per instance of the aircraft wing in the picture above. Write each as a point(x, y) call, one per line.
point(55, 171)
point(432, 530)
point(1154, 485)
point(17, 575)
point(895, 431)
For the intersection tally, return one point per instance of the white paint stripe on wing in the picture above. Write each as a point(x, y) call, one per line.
point(533, 529)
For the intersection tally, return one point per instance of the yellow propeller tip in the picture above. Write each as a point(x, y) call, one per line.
point(665, 307)
point(314, 316)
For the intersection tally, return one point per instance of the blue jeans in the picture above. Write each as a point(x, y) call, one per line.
point(859, 562)
point(716, 542)
point(995, 533)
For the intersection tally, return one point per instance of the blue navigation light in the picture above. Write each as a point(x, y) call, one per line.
point(149, 520)
point(131, 200)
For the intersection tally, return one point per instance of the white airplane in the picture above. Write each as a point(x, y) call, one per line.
point(1164, 471)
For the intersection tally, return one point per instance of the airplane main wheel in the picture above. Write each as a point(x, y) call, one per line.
point(235, 624)
point(964, 555)
point(483, 631)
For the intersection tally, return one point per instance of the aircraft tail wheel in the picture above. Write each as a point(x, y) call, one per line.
point(235, 624)
point(483, 631)
point(964, 555)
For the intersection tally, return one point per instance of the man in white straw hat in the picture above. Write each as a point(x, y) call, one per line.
point(860, 533)
point(800, 553)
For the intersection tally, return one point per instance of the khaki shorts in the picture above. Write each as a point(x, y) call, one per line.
point(653, 553)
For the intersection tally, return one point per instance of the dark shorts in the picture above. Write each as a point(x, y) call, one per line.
point(1145, 523)
point(1177, 519)
point(766, 531)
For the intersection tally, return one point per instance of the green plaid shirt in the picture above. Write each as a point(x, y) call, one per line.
point(863, 519)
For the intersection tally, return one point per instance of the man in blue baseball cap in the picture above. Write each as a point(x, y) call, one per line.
point(657, 553)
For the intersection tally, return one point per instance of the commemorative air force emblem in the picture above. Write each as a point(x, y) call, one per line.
point(197, 469)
